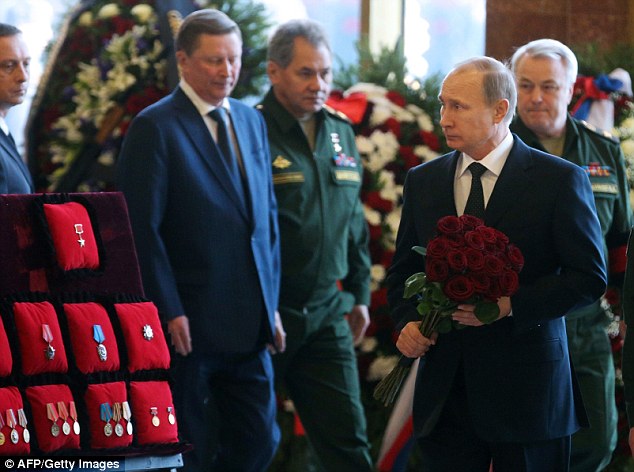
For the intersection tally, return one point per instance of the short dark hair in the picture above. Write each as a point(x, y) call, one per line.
point(8, 30)
point(281, 44)
point(206, 21)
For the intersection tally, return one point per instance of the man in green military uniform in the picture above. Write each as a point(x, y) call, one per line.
point(324, 242)
point(545, 71)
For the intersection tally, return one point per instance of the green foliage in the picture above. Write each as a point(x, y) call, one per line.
point(594, 59)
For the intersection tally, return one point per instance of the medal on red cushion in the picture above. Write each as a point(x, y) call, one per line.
point(52, 415)
point(2, 438)
point(170, 415)
point(106, 416)
point(155, 419)
point(23, 422)
point(97, 335)
point(148, 333)
point(79, 230)
point(73, 415)
point(116, 417)
point(63, 414)
point(49, 351)
point(127, 415)
point(11, 422)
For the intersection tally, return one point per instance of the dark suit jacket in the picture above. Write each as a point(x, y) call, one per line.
point(205, 250)
point(14, 175)
point(517, 370)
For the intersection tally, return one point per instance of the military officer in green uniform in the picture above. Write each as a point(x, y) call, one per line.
point(545, 71)
point(324, 242)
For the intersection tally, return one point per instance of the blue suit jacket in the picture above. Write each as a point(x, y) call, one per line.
point(14, 175)
point(517, 370)
point(205, 250)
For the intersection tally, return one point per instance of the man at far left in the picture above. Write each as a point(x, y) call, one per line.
point(14, 79)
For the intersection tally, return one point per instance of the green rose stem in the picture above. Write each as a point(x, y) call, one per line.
point(388, 388)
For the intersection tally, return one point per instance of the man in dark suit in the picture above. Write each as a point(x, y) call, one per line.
point(14, 78)
point(504, 392)
point(203, 213)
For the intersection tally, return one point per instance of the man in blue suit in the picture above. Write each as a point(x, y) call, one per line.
point(505, 392)
point(14, 79)
point(203, 212)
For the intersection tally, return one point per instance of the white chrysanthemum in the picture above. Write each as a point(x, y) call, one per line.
point(627, 145)
point(381, 367)
point(107, 158)
point(85, 19)
point(371, 91)
point(368, 344)
point(380, 113)
point(143, 12)
point(425, 123)
point(425, 153)
point(377, 273)
point(69, 128)
point(364, 144)
point(108, 11)
point(372, 216)
point(388, 186)
point(403, 115)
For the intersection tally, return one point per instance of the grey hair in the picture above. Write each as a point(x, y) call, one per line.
point(281, 44)
point(206, 21)
point(552, 49)
point(7, 30)
point(498, 81)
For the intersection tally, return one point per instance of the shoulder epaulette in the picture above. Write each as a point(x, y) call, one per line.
point(259, 106)
point(599, 132)
point(337, 114)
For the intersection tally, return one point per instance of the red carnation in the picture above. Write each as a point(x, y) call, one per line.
point(431, 140)
point(396, 97)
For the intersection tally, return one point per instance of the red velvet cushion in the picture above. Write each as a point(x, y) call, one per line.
point(29, 319)
point(109, 393)
point(39, 397)
point(143, 354)
point(146, 397)
point(82, 317)
point(6, 361)
point(10, 399)
point(73, 250)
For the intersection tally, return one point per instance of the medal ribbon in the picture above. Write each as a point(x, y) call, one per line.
point(73, 411)
point(63, 412)
point(11, 419)
point(97, 334)
point(1, 421)
point(127, 414)
point(116, 414)
point(22, 418)
point(46, 334)
point(51, 412)
point(106, 412)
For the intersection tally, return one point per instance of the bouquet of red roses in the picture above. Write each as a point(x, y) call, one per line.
point(467, 263)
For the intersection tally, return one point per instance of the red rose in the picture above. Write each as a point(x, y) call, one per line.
point(438, 248)
point(493, 265)
point(391, 125)
point(515, 256)
point(396, 97)
point(475, 259)
point(470, 222)
point(374, 200)
point(494, 292)
point(458, 288)
point(449, 225)
point(437, 270)
point(481, 282)
point(509, 282)
point(474, 240)
point(457, 260)
point(487, 233)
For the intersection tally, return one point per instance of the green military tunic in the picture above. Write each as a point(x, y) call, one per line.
point(601, 156)
point(325, 272)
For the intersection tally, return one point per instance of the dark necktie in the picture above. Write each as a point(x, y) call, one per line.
point(475, 202)
point(226, 148)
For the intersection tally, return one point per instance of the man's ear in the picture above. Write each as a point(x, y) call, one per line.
point(273, 70)
point(501, 109)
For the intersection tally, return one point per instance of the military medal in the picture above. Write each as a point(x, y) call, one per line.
point(11, 423)
point(22, 422)
point(73, 415)
point(170, 415)
point(52, 415)
point(48, 338)
point(97, 335)
point(127, 415)
point(63, 414)
point(79, 230)
point(148, 334)
point(2, 438)
point(116, 416)
point(155, 419)
point(106, 415)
